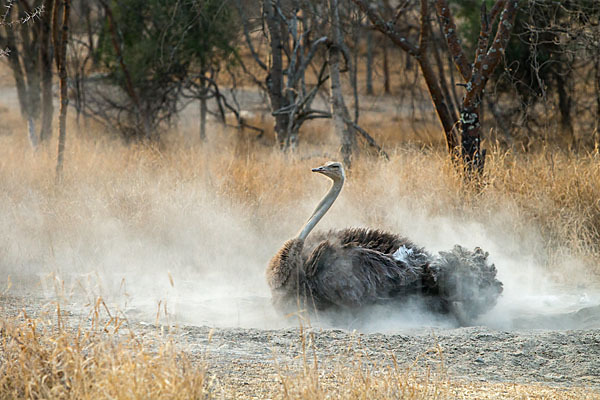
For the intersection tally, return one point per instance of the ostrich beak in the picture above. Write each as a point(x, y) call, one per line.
point(319, 169)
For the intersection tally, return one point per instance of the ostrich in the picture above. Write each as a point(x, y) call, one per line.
point(352, 268)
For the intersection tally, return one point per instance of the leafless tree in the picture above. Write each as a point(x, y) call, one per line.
point(291, 48)
point(23, 41)
point(60, 33)
point(302, 36)
point(549, 91)
point(475, 75)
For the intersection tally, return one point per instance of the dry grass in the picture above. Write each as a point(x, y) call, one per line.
point(557, 191)
point(551, 194)
point(362, 378)
point(41, 358)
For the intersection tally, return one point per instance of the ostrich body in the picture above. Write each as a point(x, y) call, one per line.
point(352, 268)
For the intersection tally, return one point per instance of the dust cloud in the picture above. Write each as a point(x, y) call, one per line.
point(160, 248)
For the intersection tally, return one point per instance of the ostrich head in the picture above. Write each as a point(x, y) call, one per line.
point(333, 170)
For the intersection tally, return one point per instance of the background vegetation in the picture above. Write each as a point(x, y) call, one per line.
point(178, 138)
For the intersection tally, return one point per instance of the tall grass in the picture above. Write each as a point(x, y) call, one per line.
point(42, 357)
point(550, 194)
point(227, 205)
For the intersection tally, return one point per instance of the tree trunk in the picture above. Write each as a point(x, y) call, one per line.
point(564, 106)
point(203, 118)
point(32, 134)
point(86, 11)
point(369, 77)
point(597, 124)
point(31, 59)
point(275, 77)
point(442, 78)
point(386, 69)
point(472, 155)
point(61, 58)
point(439, 102)
point(21, 82)
point(339, 112)
point(46, 73)
point(354, 70)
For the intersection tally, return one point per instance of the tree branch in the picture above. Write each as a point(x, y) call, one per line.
point(307, 59)
point(499, 5)
point(386, 28)
point(247, 36)
point(505, 26)
point(458, 54)
point(370, 141)
point(492, 58)
point(483, 40)
point(424, 30)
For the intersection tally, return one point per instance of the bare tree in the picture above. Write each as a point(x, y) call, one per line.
point(301, 35)
point(60, 29)
point(21, 40)
point(339, 111)
point(45, 43)
point(476, 75)
point(292, 49)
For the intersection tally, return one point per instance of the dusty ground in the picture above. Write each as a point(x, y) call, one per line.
point(249, 363)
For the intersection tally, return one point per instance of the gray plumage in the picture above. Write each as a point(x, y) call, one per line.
point(352, 268)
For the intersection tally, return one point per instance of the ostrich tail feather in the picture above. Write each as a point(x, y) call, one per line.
point(466, 281)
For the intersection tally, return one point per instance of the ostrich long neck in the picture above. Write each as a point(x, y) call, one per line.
point(322, 208)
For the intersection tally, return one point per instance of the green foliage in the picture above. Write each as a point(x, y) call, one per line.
point(163, 43)
point(166, 36)
point(468, 19)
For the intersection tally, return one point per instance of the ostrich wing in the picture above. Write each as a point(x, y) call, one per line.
point(353, 276)
point(373, 239)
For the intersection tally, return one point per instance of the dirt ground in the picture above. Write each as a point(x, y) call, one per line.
point(249, 363)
